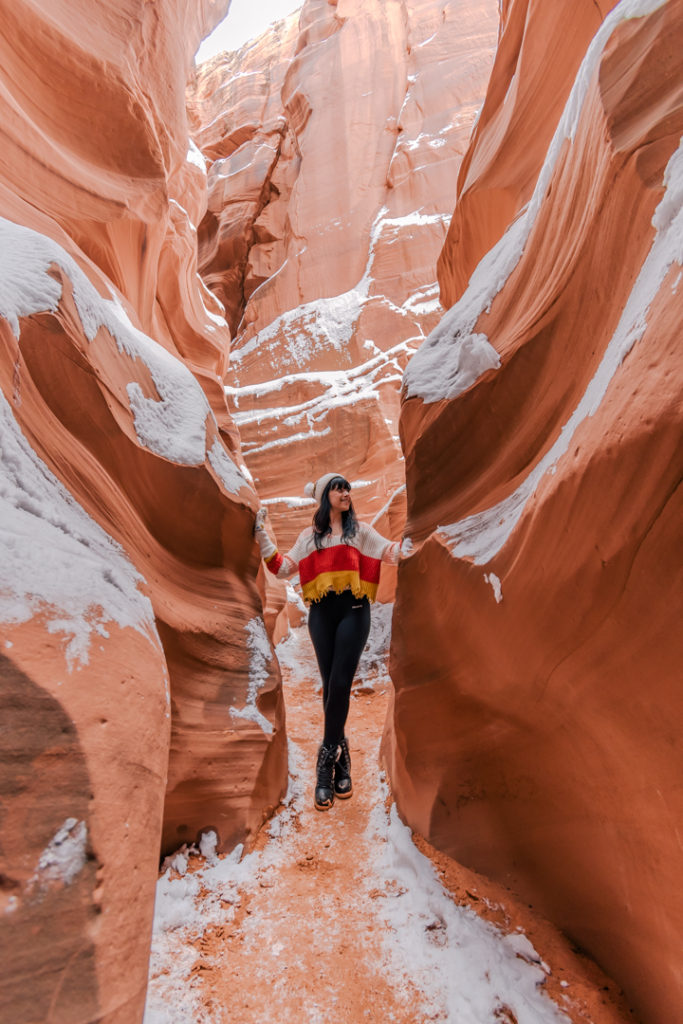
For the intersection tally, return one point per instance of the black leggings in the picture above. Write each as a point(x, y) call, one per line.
point(339, 625)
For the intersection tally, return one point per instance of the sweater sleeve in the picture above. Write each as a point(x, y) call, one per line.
point(377, 546)
point(280, 565)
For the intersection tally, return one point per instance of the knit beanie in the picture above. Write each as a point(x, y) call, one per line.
point(316, 490)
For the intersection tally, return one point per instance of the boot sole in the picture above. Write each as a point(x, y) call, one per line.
point(322, 807)
point(343, 796)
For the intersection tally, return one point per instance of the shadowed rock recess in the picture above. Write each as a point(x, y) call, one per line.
point(314, 252)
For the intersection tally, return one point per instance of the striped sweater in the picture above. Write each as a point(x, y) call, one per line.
point(338, 566)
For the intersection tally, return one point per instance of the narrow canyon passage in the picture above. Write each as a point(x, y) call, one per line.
point(337, 914)
point(436, 246)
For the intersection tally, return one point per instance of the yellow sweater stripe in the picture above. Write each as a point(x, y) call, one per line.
point(338, 582)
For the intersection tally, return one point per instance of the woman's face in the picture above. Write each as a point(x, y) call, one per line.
point(339, 495)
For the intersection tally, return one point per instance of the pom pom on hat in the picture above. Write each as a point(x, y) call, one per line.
point(319, 486)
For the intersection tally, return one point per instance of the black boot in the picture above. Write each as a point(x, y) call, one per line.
point(343, 787)
point(324, 793)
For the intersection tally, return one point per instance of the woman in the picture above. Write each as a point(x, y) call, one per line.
point(338, 561)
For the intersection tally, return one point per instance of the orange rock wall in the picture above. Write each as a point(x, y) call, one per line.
point(334, 144)
point(131, 619)
point(536, 644)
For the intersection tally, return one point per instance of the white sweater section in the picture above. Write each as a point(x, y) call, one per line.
point(367, 540)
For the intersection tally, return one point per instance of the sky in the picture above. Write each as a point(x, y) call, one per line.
point(245, 20)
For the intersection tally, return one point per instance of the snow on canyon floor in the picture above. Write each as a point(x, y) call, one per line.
point(334, 915)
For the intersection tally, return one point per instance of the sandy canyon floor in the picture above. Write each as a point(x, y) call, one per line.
point(341, 915)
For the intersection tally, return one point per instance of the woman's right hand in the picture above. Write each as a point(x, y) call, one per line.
point(260, 519)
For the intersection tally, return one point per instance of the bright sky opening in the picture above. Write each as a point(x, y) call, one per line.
point(245, 20)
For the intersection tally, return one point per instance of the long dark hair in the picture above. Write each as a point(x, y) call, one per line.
point(321, 520)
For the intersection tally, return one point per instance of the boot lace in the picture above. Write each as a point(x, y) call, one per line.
point(325, 767)
point(344, 758)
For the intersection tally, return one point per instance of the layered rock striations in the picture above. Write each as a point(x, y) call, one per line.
point(334, 144)
point(131, 618)
point(536, 653)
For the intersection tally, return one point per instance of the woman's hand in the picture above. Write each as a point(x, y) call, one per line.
point(260, 519)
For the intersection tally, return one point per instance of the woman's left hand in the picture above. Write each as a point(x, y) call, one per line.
point(259, 521)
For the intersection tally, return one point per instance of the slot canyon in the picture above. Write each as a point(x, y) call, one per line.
point(436, 246)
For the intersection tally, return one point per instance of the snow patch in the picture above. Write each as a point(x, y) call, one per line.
point(290, 502)
point(407, 547)
point(282, 442)
point(229, 473)
point(186, 906)
point(175, 425)
point(312, 327)
point(491, 578)
point(296, 657)
point(260, 654)
point(179, 999)
point(208, 844)
point(423, 302)
point(57, 561)
point(63, 858)
point(467, 970)
point(285, 821)
point(178, 861)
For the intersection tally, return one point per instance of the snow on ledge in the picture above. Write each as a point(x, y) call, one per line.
point(481, 536)
point(57, 561)
point(325, 323)
point(173, 427)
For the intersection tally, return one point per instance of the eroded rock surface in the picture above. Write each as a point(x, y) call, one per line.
point(131, 619)
point(334, 144)
point(537, 647)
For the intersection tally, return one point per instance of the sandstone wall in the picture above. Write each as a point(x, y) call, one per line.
point(334, 145)
point(131, 619)
point(537, 645)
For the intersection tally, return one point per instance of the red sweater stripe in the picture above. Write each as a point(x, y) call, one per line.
point(370, 568)
point(339, 558)
point(274, 562)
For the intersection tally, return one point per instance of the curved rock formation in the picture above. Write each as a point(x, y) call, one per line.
point(537, 652)
point(335, 142)
point(127, 560)
point(539, 48)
